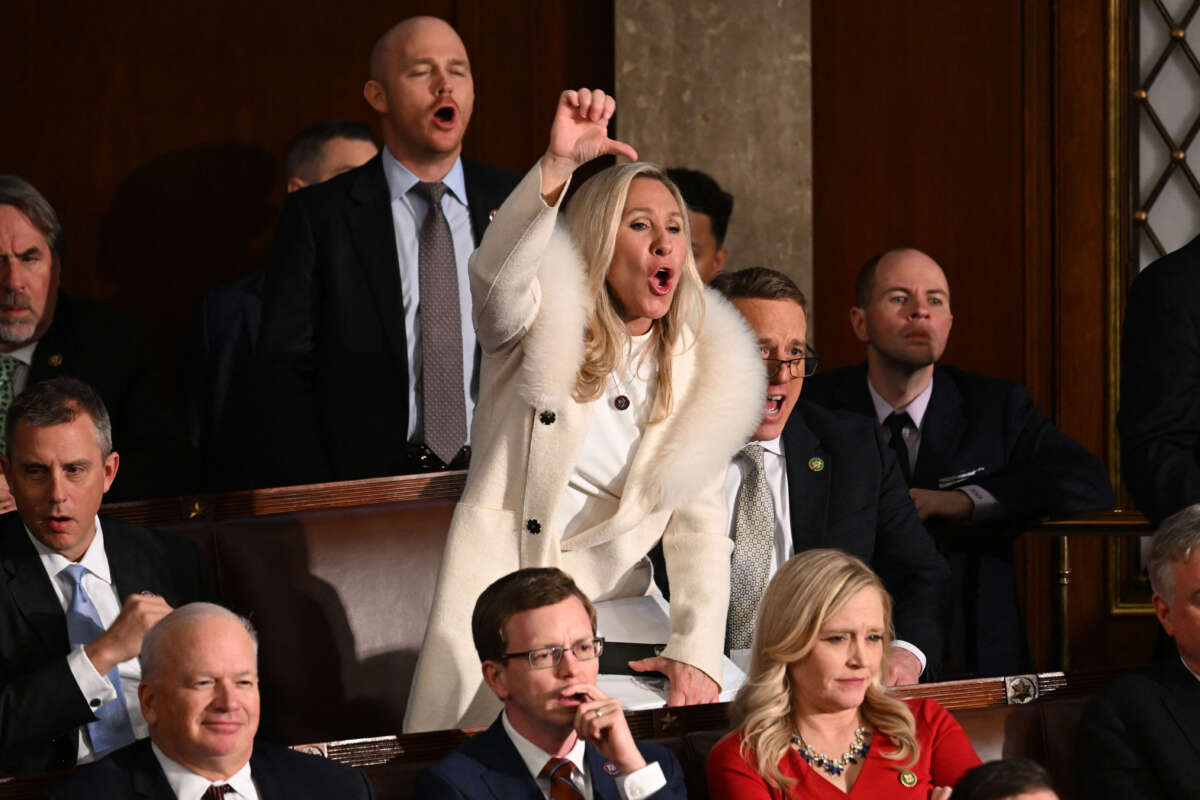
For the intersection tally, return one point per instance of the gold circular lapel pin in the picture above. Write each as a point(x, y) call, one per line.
point(55, 360)
point(816, 463)
point(908, 778)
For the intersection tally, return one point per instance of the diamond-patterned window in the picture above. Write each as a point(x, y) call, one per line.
point(1165, 42)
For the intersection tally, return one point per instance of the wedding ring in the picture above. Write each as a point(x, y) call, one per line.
point(599, 713)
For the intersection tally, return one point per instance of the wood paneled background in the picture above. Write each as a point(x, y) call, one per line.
point(974, 131)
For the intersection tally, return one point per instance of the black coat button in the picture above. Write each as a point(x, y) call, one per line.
point(95, 702)
point(533, 526)
point(547, 417)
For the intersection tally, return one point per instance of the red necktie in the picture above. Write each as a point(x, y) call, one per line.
point(558, 770)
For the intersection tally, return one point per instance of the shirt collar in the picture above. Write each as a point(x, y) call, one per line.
point(773, 446)
point(1189, 669)
point(95, 560)
point(24, 353)
point(187, 785)
point(401, 180)
point(535, 758)
point(915, 409)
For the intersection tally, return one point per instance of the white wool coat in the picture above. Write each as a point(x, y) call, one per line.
point(530, 311)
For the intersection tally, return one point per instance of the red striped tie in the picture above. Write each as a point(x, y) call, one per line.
point(558, 770)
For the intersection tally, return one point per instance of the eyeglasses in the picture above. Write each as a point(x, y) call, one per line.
point(804, 366)
point(547, 657)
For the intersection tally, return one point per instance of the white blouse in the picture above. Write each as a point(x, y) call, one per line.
point(594, 490)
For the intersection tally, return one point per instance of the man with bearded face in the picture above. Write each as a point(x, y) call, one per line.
point(45, 333)
point(980, 459)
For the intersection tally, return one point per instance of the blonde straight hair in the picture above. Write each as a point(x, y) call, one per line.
point(593, 217)
point(805, 592)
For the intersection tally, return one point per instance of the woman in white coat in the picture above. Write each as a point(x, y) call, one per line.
point(614, 390)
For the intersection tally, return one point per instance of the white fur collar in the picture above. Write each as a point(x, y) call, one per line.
point(715, 413)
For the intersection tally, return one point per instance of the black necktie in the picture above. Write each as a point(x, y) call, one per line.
point(217, 791)
point(896, 422)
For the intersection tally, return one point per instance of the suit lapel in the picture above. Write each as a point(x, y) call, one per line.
point(373, 236)
point(48, 358)
point(1183, 700)
point(148, 778)
point(131, 569)
point(808, 487)
point(941, 432)
point(506, 775)
point(604, 785)
point(29, 586)
point(477, 201)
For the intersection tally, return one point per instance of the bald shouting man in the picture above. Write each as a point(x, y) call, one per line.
point(367, 312)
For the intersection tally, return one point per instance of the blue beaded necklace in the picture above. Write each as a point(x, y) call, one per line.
point(834, 766)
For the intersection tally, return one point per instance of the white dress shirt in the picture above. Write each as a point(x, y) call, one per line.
point(408, 214)
point(637, 784)
point(775, 467)
point(98, 584)
point(187, 785)
point(986, 507)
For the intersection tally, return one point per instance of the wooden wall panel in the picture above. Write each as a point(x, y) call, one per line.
point(978, 133)
point(917, 140)
point(157, 129)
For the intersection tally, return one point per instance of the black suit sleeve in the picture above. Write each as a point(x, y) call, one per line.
point(1111, 765)
point(912, 569)
point(1045, 471)
point(292, 448)
point(675, 789)
point(37, 707)
point(1159, 418)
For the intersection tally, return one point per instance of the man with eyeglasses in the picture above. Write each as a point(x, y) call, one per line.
point(559, 736)
point(815, 478)
point(981, 460)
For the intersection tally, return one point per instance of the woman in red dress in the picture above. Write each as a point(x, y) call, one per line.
point(813, 719)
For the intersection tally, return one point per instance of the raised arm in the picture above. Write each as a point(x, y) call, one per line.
point(505, 267)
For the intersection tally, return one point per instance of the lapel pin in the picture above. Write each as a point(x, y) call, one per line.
point(908, 778)
point(816, 463)
point(611, 768)
point(492, 214)
point(55, 360)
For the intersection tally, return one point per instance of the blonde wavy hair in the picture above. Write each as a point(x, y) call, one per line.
point(593, 217)
point(809, 589)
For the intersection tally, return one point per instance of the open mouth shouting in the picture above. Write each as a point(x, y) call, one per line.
point(445, 116)
point(774, 405)
point(662, 281)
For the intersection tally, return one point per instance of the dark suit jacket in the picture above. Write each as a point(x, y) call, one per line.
point(111, 352)
point(41, 706)
point(1032, 469)
point(858, 502)
point(1140, 737)
point(489, 766)
point(333, 363)
point(1159, 418)
point(279, 774)
point(219, 381)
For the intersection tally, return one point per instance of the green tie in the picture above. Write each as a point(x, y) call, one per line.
point(8, 370)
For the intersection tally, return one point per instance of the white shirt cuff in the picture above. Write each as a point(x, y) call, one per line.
point(912, 648)
point(96, 688)
point(641, 783)
point(987, 507)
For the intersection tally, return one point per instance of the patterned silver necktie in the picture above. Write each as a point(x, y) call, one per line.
point(442, 402)
point(8, 371)
point(753, 539)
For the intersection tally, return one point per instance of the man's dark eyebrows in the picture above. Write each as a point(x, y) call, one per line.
point(32, 251)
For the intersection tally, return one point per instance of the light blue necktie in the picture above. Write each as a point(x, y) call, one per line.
point(112, 729)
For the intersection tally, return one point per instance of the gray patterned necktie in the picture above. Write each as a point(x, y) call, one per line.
point(442, 402)
point(753, 540)
point(8, 371)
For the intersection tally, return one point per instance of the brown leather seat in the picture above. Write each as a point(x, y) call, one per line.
point(340, 602)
